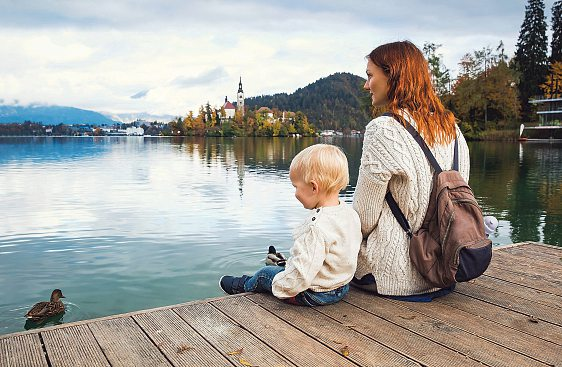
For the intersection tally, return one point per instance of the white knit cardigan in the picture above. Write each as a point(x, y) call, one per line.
point(393, 160)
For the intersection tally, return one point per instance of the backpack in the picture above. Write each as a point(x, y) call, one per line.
point(450, 245)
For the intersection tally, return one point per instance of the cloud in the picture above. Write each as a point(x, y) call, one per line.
point(204, 78)
point(170, 56)
point(140, 94)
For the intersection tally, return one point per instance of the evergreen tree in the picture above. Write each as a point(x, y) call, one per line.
point(556, 44)
point(531, 55)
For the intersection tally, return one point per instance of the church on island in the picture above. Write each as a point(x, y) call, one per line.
point(229, 108)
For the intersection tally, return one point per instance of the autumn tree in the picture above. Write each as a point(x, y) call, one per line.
point(531, 55)
point(552, 88)
point(485, 91)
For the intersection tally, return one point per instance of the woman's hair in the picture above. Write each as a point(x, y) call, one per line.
point(324, 163)
point(410, 89)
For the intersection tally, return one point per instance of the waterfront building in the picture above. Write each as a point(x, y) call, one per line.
point(549, 110)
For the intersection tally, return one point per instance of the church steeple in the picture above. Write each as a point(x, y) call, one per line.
point(240, 97)
point(240, 86)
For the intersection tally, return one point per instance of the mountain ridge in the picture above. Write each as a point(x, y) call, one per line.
point(334, 102)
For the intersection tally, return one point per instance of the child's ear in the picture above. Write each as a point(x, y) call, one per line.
point(315, 186)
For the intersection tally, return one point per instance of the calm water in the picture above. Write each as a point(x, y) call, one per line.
point(122, 224)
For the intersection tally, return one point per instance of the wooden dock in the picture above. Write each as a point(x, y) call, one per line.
point(511, 316)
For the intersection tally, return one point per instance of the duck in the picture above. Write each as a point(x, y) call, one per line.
point(274, 257)
point(43, 310)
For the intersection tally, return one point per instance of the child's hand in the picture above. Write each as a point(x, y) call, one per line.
point(275, 258)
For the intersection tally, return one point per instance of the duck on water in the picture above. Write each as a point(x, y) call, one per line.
point(43, 310)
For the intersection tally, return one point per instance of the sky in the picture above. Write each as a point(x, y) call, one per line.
point(171, 56)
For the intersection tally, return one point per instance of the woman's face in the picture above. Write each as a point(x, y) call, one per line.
point(376, 84)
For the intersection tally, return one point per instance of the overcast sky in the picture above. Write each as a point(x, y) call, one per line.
point(170, 56)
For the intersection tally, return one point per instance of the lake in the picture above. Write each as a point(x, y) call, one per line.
point(129, 223)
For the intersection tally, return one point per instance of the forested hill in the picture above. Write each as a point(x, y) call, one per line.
point(334, 102)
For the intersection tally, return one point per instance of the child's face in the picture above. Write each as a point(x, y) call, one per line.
point(306, 193)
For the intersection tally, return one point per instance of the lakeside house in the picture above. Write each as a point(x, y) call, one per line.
point(549, 110)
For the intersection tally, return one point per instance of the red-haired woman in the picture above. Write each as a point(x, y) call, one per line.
point(398, 80)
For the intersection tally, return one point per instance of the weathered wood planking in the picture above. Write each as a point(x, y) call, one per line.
point(520, 291)
point(231, 339)
point(22, 351)
point(503, 316)
point(73, 346)
point(440, 332)
point(181, 345)
point(528, 345)
point(526, 307)
point(126, 345)
point(294, 345)
point(511, 316)
point(339, 337)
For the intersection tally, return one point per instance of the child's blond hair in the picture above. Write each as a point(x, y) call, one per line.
point(324, 163)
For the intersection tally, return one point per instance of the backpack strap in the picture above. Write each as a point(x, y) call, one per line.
point(398, 214)
point(456, 155)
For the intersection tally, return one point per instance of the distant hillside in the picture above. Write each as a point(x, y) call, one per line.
point(336, 101)
point(51, 115)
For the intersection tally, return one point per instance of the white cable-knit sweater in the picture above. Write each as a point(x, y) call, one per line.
point(393, 160)
point(324, 252)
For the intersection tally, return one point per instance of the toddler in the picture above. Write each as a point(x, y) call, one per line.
point(324, 253)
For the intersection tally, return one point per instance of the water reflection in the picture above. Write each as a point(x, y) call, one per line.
point(122, 224)
point(521, 184)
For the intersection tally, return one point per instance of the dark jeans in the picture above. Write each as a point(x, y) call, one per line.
point(261, 282)
point(369, 283)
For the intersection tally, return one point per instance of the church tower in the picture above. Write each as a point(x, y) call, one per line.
point(240, 98)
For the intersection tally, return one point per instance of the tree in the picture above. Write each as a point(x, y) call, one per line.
point(484, 91)
point(552, 88)
point(531, 54)
point(556, 44)
point(439, 73)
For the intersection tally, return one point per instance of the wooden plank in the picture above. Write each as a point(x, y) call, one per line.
point(22, 351)
point(544, 248)
point(73, 347)
point(528, 266)
point(181, 345)
point(526, 307)
point(500, 315)
point(362, 350)
point(125, 344)
point(514, 275)
point(229, 337)
point(440, 332)
point(531, 346)
point(297, 347)
point(535, 252)
point(406, 342)
point(547, 299)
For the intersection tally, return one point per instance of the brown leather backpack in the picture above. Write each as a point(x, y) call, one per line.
point(451, 245)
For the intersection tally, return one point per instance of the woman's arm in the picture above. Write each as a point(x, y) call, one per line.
point(374, 175)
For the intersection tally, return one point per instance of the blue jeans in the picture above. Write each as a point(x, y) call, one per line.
point(261, 282)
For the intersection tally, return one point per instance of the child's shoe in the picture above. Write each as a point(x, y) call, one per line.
point(233, 285)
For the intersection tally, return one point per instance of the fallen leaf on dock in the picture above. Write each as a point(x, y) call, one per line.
point(345, 351)
point(245, 362)
point(183, 348)
point(411, 317)
point(235, 352)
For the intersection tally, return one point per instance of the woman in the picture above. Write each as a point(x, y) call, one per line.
point(398, 80)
